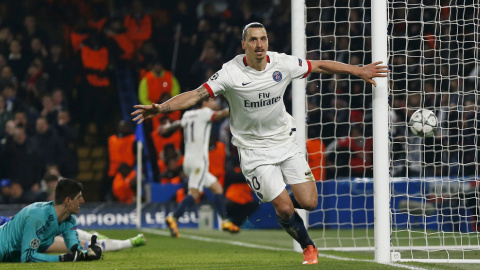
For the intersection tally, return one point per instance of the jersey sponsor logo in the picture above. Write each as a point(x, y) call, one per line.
point(245, 83)
point(35, 243)
point(261, 103)
point(214, 76)
point(277, 76)
point(300, 62)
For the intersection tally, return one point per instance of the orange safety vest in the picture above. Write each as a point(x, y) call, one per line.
point(98, 25)
point(96, 60)
point(138, 31)
point(316, 158)
point(158, 85)
point(120, 150)
point(76, 39)
point(159, 142)
point(121, 187)
point(162, 166)
point(217, 162)
point(126, 44)
point(239, 193)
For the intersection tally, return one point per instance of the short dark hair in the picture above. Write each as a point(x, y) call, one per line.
point(251, 25)
point(67, 188)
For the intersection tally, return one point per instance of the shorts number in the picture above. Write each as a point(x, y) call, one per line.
point(254, 184)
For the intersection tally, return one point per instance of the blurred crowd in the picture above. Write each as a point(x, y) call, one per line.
point(62, 63)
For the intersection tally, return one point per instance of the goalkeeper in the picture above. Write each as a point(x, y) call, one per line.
point(30, 232)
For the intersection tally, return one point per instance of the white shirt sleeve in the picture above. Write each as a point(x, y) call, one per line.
point(299, 68)
point(218, 83)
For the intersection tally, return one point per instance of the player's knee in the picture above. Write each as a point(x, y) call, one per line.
point(310, 204)
point(284, 211)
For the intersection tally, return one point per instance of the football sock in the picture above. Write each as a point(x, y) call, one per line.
point(295, 202)
point(111, 244)
point(187, 202)
point(296, 229)
point(219, 201)
point(83, 235)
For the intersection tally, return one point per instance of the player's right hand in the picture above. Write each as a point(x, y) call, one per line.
point(94, 251)
point(144, 112)
point(73, 255)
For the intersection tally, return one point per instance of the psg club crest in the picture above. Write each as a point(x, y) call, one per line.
point(277, 76)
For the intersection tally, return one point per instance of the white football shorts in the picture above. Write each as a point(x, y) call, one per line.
point(198, 176)
point(268, 171)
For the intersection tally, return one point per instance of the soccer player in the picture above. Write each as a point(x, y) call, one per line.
point(196, 126)
point(85, 237)
point(27, 236)
point(254, 84)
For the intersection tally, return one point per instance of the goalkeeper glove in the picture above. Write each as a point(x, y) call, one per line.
point(73, 255)
point(94, 251)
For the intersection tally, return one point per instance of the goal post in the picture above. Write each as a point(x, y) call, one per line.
point(381, 185)
point(383, 189)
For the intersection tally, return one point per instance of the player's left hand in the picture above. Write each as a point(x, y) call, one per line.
point(368, 72)
point(94, 251)
point(144, 112)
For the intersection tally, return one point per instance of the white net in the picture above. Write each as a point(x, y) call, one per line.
point(433, 51)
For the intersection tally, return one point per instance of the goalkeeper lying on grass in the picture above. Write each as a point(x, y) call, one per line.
point(28, 235)
point(85, 237)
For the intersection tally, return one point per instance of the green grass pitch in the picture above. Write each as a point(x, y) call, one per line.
point(212, 249)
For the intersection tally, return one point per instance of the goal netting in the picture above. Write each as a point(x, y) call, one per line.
point(433, 51)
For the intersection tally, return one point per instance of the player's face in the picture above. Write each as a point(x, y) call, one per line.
point(75, 203)
point(256, 43)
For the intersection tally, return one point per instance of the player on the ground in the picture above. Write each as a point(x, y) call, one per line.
point(196, 126)
point(85, 237)
point(253, 85)
point(27, 236)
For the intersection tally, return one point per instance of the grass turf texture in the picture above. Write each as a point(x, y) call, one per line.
point(206, 249)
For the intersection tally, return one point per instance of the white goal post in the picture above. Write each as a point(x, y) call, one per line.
point(383, 189)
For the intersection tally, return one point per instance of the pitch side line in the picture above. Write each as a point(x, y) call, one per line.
point(242, 244)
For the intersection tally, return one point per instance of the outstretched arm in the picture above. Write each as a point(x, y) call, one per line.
point(179, 102)
point(366, 73)
point(221, 114)
point(169, 129)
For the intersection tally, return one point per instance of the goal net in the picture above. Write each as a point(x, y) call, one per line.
point(433, 52)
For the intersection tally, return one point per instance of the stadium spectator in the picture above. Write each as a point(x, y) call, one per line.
point(261, 127)
point(22, 161)
point(209, 59)
point(156, 83)
point(160, 141)
point(48, 110)
point(196, 126)
point(138, 24)
point(118, 33)
point(240, 202)
point(49, 145)
point(121, 148)
point(169, 152)
point(124, 184)
point(59, 68)
point(70, 137)
point(32, 31)
point(22, 241)
point(15, 194)
point(316, 155)
point(17, 60)
point(217, 157)
point(172, 172)
point(4, 115)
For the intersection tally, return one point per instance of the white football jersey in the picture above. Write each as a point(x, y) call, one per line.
point(196, 133)
point(258, 118)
